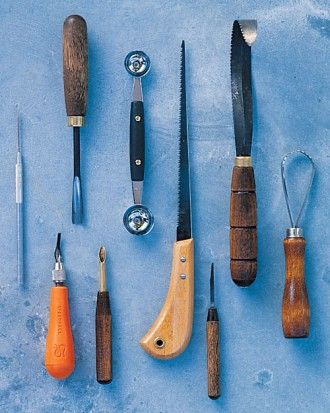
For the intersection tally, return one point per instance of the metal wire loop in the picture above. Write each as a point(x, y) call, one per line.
point(295, 224)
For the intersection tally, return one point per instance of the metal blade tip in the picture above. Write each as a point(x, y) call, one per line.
point(212, 285)
point(249, 30)
point(102, 254)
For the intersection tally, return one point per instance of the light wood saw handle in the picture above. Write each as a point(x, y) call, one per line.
point(170, 333)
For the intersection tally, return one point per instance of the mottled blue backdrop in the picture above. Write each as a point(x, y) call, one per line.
point(261, 371)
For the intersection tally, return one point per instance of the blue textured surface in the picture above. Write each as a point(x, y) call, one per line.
point(261, 371)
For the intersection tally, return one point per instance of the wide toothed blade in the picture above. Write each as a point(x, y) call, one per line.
point(243, 35)
point(184, 215)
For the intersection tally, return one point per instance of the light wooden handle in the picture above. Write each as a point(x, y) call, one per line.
point(243, 226)
point(170, 333)
point(295, 306)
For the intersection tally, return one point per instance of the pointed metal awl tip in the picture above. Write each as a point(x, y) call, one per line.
point(212, 285)
point(249, 30)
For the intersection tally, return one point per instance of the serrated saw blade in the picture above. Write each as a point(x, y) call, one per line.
point(244, 34)
point(184, 213)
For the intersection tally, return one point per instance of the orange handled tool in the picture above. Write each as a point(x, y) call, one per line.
point(59, 356)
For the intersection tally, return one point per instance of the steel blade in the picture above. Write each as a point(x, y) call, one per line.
point(243, 35)
point(184, 214)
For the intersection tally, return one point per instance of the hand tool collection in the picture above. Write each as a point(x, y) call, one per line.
point(138, 220)
point(243, 204)
point(170, 333)
point(295, 306)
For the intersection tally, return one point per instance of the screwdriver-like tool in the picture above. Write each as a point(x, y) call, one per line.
point(59, 355)
point(75, 59)
point(19, 208)
point(103, 327)
point(212, 342)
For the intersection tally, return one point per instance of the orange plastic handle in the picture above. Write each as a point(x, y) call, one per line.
point(59, 356)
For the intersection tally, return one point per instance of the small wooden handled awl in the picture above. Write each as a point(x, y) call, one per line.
point(103, 327)
point(212, 342)
point(295, 305)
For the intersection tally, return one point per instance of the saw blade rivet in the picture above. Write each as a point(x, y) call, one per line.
point(183, 259)
point(137, 118)
point(138, 162)
point(183, 276)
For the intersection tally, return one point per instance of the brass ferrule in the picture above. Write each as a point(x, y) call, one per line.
point(243, 161)
point(76, 121)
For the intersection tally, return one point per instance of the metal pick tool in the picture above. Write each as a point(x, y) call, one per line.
point(138, 219)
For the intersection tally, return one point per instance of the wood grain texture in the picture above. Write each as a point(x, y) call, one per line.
point(243, 226)
point(295, 306)
point(170, 333)
point(103, 332)
point(213, 359)
point(75, 61)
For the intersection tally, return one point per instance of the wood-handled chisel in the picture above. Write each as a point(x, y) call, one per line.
point(75, 56)
point(243, 204)
point(213, 344)
point(295, 305)
point(171, 331)
point(103, 326)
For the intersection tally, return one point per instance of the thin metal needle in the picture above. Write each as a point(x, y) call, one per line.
point(19, 207)
point(212, 285)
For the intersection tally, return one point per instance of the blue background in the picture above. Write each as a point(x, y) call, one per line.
point(261, 371)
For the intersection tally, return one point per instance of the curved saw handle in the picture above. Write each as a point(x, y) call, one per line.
point(170, 333)
point(243, 226)
point(295, 306)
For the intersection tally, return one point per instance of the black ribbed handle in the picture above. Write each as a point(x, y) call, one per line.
point(137, 141)
point(103, 338)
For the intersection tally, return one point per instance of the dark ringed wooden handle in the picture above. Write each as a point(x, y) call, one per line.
point(243, 226)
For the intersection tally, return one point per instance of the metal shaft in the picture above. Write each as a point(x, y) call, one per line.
point(19, 208)
point(102, 259)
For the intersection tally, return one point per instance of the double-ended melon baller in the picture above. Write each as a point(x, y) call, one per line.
point(138, 220)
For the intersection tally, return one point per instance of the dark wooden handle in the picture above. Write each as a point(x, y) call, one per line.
point(137, 141)
point(213, 359)
point(103, 338)
point(243, 226)
point(295, 306)
point(75, 56)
